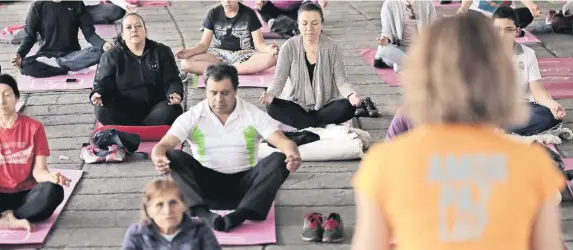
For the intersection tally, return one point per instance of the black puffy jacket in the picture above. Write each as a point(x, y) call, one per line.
point(123, 77)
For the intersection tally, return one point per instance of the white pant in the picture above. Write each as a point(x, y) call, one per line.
point(391, 55)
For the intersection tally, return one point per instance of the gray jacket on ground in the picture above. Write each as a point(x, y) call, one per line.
point(194, 235)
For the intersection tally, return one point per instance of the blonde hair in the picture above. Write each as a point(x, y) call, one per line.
point(155, 189)
point(458, 71)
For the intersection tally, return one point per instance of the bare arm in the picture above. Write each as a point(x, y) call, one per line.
point(540, 95)
point(372, 231)
point(546, 233)
point(284, 144)
point(40, 171)
point(167, 142)
point(204, 44)
point(259, 41)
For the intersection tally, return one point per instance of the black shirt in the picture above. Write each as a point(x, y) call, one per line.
point(232, 34)
point(58, 25)
point(310, 68)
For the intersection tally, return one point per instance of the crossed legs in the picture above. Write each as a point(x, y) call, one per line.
point(246, 63)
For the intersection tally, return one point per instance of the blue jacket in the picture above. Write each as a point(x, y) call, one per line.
point(194, 235)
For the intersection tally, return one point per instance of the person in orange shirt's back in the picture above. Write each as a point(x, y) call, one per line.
point(454, 182)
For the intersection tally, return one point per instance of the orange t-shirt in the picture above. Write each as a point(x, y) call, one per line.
point(456, 187)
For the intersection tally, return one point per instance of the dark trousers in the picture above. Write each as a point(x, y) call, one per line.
point(290, 113)
point(270, 11)
point(138, 115)
point(105, 13)
point(253, 190)
point(36, 204)
point(73, 61)
point(540, 120)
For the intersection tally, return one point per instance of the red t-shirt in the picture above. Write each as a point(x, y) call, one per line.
point(19, 146)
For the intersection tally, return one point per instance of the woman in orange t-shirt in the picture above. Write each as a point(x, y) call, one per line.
point(454, 182)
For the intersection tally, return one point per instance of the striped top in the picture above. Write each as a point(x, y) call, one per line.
point(292, 81)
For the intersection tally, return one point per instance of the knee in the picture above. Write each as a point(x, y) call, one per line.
point(270, 60)
point(347, 106)
point(103, 115)
point(273, 109)
point(118, 13)
point(186, 64)
point(277, 158)
point(54, 192)
point(176, 157)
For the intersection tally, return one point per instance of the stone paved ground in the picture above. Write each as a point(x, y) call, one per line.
point(106, 200)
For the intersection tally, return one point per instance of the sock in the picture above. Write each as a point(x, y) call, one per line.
point(49, 61)
point(212, 219)
point(235, 218)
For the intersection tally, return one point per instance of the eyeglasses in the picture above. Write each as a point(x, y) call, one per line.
point(410, 11)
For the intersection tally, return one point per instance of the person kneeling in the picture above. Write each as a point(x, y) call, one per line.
point(238, 41)
point(58, 22)
point(224, 172)
point(164, 213)
point(310, 87)
point(137, 82)
point(29, 192)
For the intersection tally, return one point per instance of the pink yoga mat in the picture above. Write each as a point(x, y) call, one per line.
point(84, 80)
point(387, 75)
point(106, 30)
point(258, 80)
point(151, 132)
point(250, 233)
point(557, 76)
point(452, 5)
point(265, 29)
point(527, 39)
point(41, 230)
point(158, 3)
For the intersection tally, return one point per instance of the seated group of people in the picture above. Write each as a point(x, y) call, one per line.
point(138, 83)
point(401, 21)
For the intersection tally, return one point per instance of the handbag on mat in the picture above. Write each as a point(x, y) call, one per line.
point(111, 145)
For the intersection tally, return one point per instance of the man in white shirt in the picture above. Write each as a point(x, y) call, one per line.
point(224, 172)
point(546, 113)
point(108, 13)
point(488, 7)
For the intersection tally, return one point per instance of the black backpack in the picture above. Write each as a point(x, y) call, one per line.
point(285, 26)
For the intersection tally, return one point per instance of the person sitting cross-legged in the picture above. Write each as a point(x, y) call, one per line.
point(224, 172)
point(104, 12)
point(310, 87)
point(401, 22)
point(58, 23)
point(238, 40)
point(137, 83)
point(29, 192)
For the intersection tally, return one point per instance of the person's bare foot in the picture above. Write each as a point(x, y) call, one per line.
point(9, 221)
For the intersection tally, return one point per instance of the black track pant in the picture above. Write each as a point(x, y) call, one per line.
point(290, 113)
point(36, 204)
point(138, 115)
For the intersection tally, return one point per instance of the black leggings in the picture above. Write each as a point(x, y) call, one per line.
point(270, 11)
point(36, 204)
point(138, 115)
point(290, 113)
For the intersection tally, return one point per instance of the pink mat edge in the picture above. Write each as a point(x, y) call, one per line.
point(390, 80)
point(560, 93)
point(75, 176)
point(271, 220)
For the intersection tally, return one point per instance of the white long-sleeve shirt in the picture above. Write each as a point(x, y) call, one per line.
point(121, 3)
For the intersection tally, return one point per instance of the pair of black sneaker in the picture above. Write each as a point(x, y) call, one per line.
point(367, 109)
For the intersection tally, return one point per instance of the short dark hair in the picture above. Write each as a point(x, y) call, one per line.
point(221, 71)
point(119, 38)
point(11, 82)
point(506, 12)
point(310, 6)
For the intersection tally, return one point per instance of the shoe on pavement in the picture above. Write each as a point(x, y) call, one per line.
point(333, 229)
point(312, 229)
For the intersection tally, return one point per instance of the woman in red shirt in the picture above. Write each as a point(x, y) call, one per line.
point(29, 192)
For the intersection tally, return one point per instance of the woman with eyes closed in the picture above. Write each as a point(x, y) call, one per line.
point(165, 224)
point(310, 87)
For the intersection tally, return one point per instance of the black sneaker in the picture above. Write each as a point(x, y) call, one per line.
point(378, 63)
point(361, 111)
point(312, 229)
point(371, 107)
point(333, 229)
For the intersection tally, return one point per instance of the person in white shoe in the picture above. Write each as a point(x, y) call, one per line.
point(401, 22)
point(58, 23)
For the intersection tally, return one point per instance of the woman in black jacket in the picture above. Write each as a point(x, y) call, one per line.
point(137, 81)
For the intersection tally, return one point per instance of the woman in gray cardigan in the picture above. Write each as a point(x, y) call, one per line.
point(310, 87)
point(401, 22)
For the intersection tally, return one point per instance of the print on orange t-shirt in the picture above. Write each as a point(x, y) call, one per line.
point(458, 187)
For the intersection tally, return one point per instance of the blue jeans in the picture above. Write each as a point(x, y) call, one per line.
point(73, 61)
point(540, 120)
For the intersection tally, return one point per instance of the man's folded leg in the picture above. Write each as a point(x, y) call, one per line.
point(260, 186)
point(81, 59)
point(196, 181)
point(541, 119)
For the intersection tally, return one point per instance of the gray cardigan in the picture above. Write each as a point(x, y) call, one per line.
point(392, 16)
point(292, 81)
